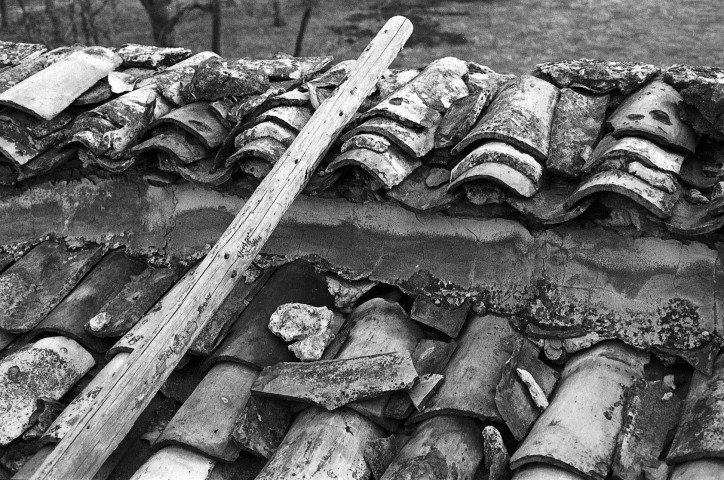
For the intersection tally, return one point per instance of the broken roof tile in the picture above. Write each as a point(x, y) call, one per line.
point(379, 326)
point(35, 284)
point(653, 112)
point(99, 92)
point(425, 388)
point(53, 89)
point(514, 402)
point(416, 142)
point(46, 368)
point(12, 53)
point(217, 78)
point(583, 439)
point(472, 374)
point(437, 448)
point(380, 452)
point(430, 357)
point(30, 65)
point(323, 444)
point(635, 148)
point(460, 118)
point(291, 117)
point(501, 163)
point(652, 411)
point(175, 144)
point(548, 206)
point(104, 282)
point(198, 120)
point(257, 157)
point(699, 435)
point(124, 310)
point(281, 133)
point(416, 193)
point(390, 167)
point(261, 426)
point(658, 202)
point(439, 316)
point(495, 455)
point(701, 88)
point(577, 124)
point(290, 68)
point(135, 55)
point(334, 383)
point(206, 419)
point(249, 340)
point(422, 101)
point(598, 76)
point(110, 129)
point(521, 114)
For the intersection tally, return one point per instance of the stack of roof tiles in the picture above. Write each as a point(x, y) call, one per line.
point(540, 253)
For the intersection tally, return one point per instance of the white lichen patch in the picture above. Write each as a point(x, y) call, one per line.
point(45, 369)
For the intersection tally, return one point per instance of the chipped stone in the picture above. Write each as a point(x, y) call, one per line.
point(310, 327)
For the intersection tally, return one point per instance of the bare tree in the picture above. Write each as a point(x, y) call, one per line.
point(308, 7)
point(216, 26)
point(3, 14)
point(278, 15)
point(163, 20)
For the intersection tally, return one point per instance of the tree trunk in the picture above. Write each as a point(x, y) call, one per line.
point(278, 15)
point(162, 20)
point(216, 26)
point(3, 14)
point(302, 30)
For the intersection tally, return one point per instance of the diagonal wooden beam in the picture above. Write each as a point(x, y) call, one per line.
point(190, 304)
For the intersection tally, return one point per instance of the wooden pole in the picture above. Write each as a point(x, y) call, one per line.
point(190, 304)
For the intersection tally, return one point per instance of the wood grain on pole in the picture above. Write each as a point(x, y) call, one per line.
point(190, 304)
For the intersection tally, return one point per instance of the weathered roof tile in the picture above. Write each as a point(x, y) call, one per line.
point(104, 282)
point(521, 114)
point(583, 439)
point(598, 76)
point(483, 348)
point(37, 283)
point(206, 419)
point(53, 89)
point(47, 368)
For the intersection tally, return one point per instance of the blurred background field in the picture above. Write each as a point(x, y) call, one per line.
point(507, 35)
